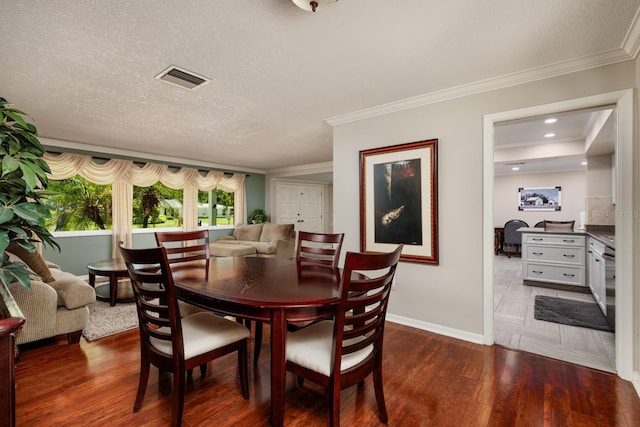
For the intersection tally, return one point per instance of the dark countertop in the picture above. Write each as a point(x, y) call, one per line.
point(606, 239)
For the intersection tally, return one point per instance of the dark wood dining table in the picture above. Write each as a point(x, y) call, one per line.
point(268, 289)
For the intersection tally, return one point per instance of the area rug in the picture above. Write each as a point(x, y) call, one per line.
point(570, 312)
point(105, 320)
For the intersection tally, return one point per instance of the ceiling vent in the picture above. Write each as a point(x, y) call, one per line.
point(181, 77)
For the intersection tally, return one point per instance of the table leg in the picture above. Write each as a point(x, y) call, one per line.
point(92, 279)
point(113, 289)
point(278, 366)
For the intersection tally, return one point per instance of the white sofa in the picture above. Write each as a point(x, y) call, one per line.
point(268, 239)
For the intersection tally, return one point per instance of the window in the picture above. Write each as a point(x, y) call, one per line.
point(77, 204)
point(215, 207)
point(157, 206)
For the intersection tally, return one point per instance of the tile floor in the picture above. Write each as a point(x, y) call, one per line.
point(515, 327)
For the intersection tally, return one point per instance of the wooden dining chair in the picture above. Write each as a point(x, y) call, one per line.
point(321, 249)
point(169, 342)
point(184, 247)
point(340, 353)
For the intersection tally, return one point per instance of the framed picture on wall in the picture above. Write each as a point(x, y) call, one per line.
point(540, 199)
point(398, 200)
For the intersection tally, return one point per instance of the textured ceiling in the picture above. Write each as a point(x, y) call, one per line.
point(84, 69)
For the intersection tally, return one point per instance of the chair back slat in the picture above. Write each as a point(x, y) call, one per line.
point(154, 294)
point(319, 248)
point(363, 304)
point(185, 246)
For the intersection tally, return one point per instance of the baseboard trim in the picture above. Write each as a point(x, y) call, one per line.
point(437, 329)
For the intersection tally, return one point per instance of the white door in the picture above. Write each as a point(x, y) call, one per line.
point(300, 204)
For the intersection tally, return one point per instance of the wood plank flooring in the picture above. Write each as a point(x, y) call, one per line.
point(515, 327)
point(430, 380)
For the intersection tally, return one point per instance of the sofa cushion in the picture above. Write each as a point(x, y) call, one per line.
point(34, 261)
point(265, 248)
point(271, 232)
point(73, 292)
point(250, 232)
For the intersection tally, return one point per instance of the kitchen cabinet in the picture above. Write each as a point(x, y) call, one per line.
point(601, 271)
point(555, 258)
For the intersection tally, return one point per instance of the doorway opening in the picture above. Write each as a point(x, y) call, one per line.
point(623, 125)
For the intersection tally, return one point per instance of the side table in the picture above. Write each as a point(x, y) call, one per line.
point(113, 269)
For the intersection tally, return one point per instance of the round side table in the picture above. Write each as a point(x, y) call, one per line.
point(113, 269)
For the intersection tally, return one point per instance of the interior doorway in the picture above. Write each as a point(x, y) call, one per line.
point(623, 102)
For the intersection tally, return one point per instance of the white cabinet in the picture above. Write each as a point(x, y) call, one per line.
point(554, 258)
point(597, 272)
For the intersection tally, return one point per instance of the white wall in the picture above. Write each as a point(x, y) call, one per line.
point(505, 196)
point(448, 298)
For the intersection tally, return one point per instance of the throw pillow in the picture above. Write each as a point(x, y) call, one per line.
point(271, 232)
point(249, 232)
point(34, 261)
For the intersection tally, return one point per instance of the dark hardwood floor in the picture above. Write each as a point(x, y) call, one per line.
point(430, 380)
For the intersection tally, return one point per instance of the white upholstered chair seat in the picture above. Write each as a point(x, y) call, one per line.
point(310, 347)
point(203, 332)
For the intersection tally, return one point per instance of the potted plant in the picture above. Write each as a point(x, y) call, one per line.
point(258, 216)
point(23, 182)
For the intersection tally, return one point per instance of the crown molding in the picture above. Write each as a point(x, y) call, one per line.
point(631, 42)
point(51, 144)
point(534, 74)
point(308, 169)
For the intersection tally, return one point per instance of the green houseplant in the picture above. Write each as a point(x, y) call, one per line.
point(23, 182)
point(257, 216)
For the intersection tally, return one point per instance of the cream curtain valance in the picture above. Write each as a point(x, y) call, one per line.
point(124, 174)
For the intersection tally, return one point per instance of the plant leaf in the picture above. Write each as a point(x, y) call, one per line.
point(6, 214)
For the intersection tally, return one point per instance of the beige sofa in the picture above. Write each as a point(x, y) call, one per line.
point(269, 240)
point(55, 305)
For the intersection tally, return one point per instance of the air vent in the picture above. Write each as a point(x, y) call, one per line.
point(181, 77)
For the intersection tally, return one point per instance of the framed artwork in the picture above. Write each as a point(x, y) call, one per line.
point(399, 200)
point(540, 199)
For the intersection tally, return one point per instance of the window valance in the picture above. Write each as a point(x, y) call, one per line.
point(124, 174)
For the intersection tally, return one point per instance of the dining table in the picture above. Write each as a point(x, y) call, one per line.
point(273, 290)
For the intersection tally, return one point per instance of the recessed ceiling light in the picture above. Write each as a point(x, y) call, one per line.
point(549, 135)
point(584, 163)
point(551, 120)
point(515, 168)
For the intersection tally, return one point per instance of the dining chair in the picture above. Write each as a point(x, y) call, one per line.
point(559, 225)
point(185, 247)
point(512, 237)
point(321, 249)
point(340, 353)
point(169, 342)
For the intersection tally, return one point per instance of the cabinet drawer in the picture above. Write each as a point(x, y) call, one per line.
point(555, 239)
point(554, 274)
point(555, 254)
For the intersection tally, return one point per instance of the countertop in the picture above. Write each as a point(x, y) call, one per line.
point(607, 240)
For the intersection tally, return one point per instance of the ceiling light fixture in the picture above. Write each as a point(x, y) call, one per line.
point(551, 120)
point(549, 135)
point(515, 168)
point(311, 6)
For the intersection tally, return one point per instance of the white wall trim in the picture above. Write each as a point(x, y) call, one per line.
point(539, 73)
point(625, 233)
point(436, 329)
